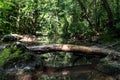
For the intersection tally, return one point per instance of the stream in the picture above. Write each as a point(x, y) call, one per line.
point(62, 59)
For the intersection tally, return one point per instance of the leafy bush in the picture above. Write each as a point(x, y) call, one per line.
point(13, 56)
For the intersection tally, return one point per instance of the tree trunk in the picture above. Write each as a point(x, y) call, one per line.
point(109, 13)
point(70, 48)
point(118, 9)
point(74, 48)
point(85, 12)
point(92, 26)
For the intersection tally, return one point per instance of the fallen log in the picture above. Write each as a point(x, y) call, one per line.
point(70, 48)
point(74, 48)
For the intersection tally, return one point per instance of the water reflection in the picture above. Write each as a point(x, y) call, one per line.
point(62, 59)
point(79, 76)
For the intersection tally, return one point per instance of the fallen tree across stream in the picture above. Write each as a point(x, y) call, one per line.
point(69, 48)
point(74, 48)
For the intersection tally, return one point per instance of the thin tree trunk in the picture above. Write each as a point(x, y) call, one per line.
point(85, 12)
point(87, 17)
point(109, 13)
point(118, 9)
point(95, 15)
point(18, 18)
point(35, 17)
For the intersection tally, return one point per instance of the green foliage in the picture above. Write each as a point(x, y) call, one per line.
point(6, 5)
point(13, 56)
point(60, 17)
point(6, 55)
point(118, 25)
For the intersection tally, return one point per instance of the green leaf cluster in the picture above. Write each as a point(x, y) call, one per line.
point(12, 56)
point(71, 18)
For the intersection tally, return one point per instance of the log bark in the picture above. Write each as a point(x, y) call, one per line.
point(74, 48)
point(71, 48)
